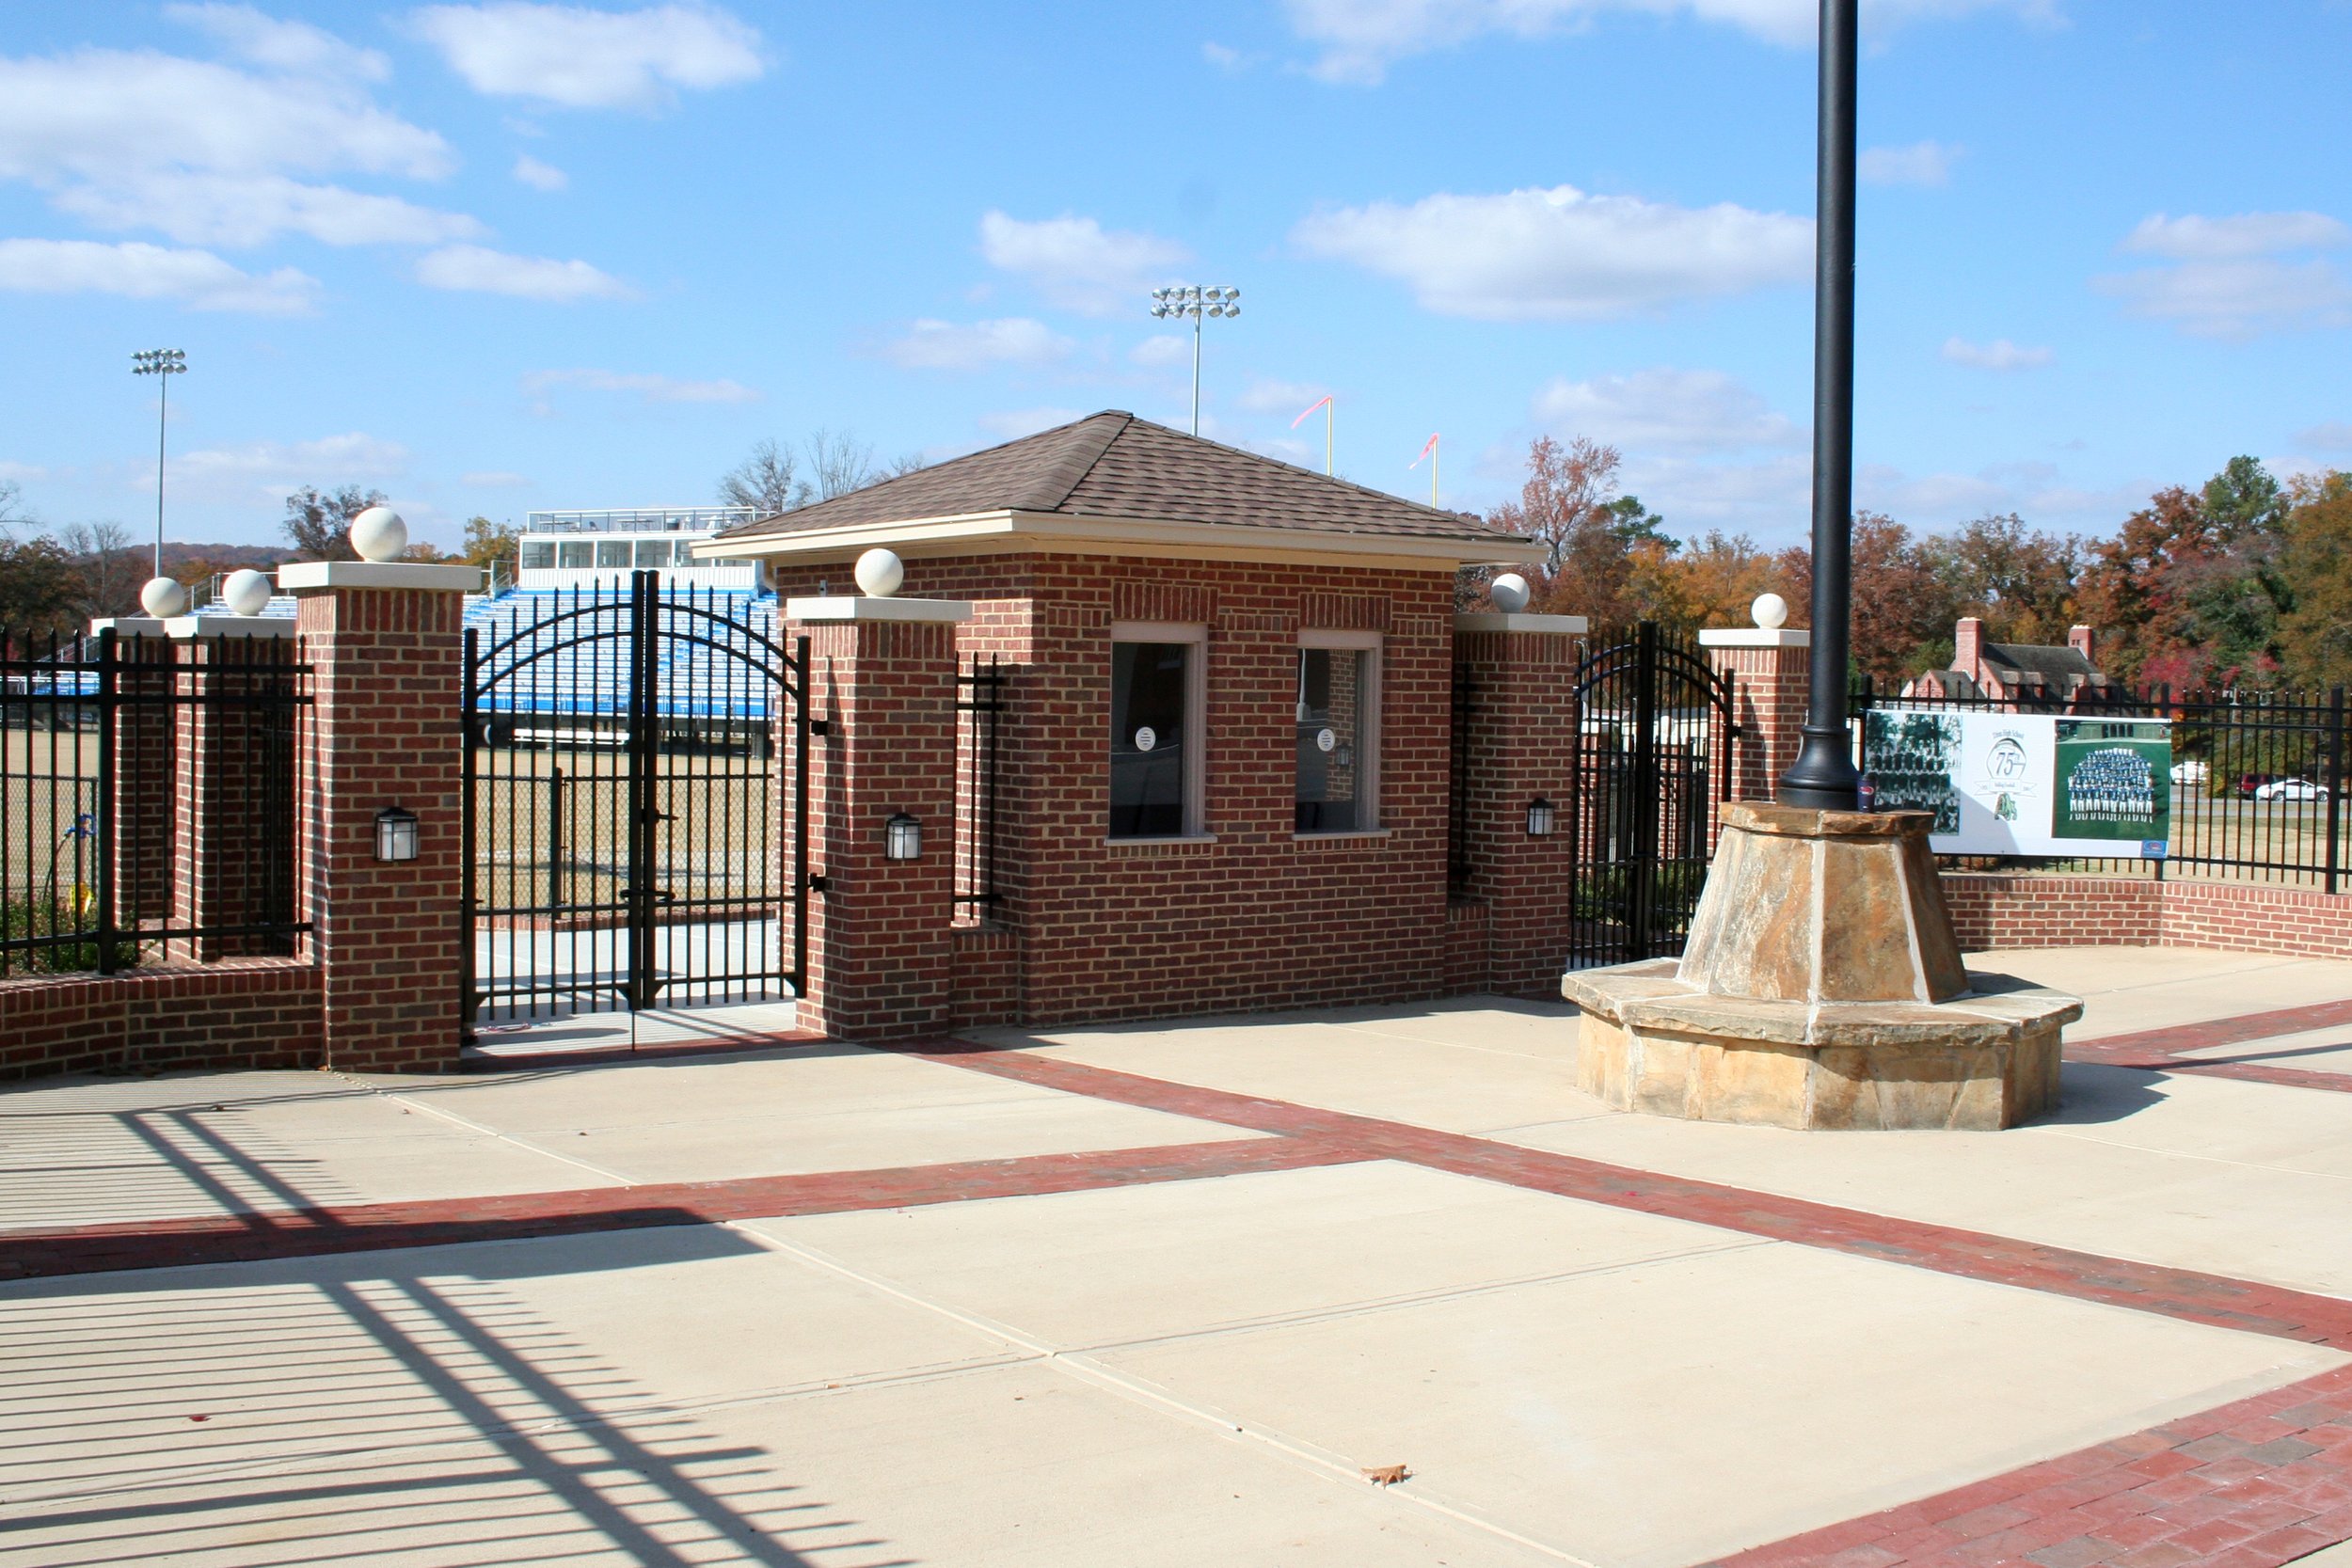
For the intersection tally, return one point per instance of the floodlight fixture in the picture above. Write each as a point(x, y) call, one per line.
point(1190, 301)
point(163, 363)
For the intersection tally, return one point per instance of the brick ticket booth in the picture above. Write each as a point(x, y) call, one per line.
point(1219, 771)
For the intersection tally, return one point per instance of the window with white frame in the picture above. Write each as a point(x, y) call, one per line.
point(1339, 732)
point(1159, 681)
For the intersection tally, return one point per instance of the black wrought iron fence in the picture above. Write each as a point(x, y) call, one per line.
point(114, 756)
point(2257, 783)
point(981, 706)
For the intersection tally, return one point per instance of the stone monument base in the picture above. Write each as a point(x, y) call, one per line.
point(1981, 1060)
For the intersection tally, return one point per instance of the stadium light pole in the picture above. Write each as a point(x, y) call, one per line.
point(1194, 301)
point(163, 363)
point(1823, 777)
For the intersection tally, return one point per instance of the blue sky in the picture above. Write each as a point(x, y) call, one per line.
point(494, 256)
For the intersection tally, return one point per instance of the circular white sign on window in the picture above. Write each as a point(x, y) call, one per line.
point(1325, 740)
point(1146, 738)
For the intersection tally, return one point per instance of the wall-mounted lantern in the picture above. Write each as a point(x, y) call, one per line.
point(395, 835)
point(903, 838)
point(1539, 817)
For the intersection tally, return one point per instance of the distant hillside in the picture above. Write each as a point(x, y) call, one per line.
point(177, 555)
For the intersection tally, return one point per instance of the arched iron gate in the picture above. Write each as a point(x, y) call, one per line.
point(636, 804)
point(1653, 760)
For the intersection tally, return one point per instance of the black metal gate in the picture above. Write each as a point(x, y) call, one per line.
point(636, 804)
point(1653, 760)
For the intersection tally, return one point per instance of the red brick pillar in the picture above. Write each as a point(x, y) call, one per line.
point(386, 651)
point(882, 682)
point(1769, 676)
point(146, 766)
point(1520, 747)
point(236, 781)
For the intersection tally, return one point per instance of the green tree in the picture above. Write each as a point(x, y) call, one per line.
point(2189, 592)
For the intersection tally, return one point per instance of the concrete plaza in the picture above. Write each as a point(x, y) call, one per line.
point(1167, 1294)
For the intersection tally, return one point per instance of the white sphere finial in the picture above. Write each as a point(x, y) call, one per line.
point(378, 534)
point(163, 597)
point(1770, 611)
point(246, 593)
point(1509, 593)
point(879, 572)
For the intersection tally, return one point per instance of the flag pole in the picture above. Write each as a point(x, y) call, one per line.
point(1331, 411)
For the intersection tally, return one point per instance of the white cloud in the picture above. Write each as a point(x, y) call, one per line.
point(206, 153)
point(1561, 255)
point(492, 479)
point(539, 176)
point(249, 210)
point(591, 59)
point(1926, 163)
point(1665, 410)
point(1012, 423)
point(1076, 263)
point(2192, 238)
point(1998, 355)
point(329, 460)
point(1231, 62)
point(2227, 281)
point(652, 388)
point(473, 269)
point(1360, 38)
point(2334, 435)
point(1280, 397)
point(22, 470)
point(2236, 300)
point(938, 346)
point(197, 278)
point(1162, 351)
point(294, 46)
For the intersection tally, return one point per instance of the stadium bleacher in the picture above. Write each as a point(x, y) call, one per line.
point(545, 659)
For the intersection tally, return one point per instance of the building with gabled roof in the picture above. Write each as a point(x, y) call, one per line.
point(1228, 746)
point(2023, 678)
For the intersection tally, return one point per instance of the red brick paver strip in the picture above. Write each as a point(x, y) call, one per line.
point(2163, 1050)
point(2183, 1293)
point(2253, 1484)
point(50, 1251)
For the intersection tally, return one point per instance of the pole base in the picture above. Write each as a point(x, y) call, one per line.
point(1823, 777)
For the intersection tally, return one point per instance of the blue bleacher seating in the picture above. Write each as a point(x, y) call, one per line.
point(542, 658)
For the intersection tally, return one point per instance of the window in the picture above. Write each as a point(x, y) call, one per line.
point(536, 555)
point(653, 555)
point(1339, 732)
point(612, 552)
point(1157, 673)
point(575, 555)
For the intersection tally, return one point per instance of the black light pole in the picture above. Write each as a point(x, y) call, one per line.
point(1824, 775)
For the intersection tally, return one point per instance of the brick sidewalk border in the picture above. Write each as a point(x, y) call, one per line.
point(2163, 1050)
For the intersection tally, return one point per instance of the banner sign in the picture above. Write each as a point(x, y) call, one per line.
point(2026, 783)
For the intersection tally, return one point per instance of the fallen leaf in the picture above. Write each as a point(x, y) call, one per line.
point(1386, 1475)
point(199, 1417)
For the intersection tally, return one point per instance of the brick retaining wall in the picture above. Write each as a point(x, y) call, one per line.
point(1998, 910)
point(243, 1013)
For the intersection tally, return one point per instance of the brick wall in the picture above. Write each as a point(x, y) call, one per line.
point(1997, 910)
point(1257, 916)
point(1768, 703)
point(247, 1013)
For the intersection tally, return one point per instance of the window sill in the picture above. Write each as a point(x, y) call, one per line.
point(1160, 842)
point(1343, 834)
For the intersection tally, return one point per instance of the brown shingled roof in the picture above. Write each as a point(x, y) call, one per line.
point(1114, 465)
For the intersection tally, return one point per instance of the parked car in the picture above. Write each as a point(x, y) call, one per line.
point(2290, 789)
point(2190, 772)
point(2249, 782)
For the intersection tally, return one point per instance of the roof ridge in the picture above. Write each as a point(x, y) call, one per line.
point(1059, 477)
point(1295, 468)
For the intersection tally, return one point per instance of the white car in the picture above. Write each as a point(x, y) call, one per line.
point(2190, 772)
point(2290, 789)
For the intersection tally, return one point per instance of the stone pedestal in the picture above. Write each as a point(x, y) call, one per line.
point(1820, 988)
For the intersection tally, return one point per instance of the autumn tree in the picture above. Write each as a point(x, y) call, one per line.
point(489, 543)
point(2315, 635)
point(1569, 504)
point(2190, 590)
